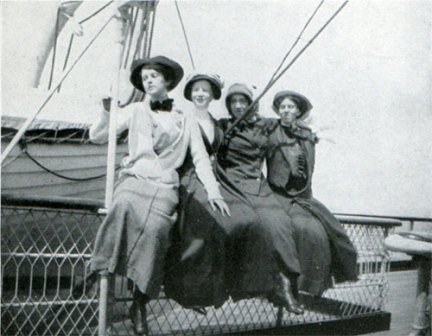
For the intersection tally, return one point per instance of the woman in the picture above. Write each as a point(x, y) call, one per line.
point(196, 259)
point(241, 159)
point(135, 236)
point(323, 246)
point(214, 256)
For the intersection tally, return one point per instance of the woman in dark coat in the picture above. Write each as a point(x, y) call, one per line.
point(241, 157)
point(247, 257)
point(323, 246)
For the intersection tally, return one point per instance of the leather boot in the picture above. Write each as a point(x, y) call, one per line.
point(283, 296)
point(138, 313)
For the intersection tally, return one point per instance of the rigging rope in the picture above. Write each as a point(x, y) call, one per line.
point(97, 12)
point(184, 34)
point(29, 120)
point(150, 36)
point(24, 150)
point(254, 103)
point(295, 42)
point(54, 48)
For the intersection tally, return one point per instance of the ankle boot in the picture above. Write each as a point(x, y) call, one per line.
point(138, 313)
point(283, 296)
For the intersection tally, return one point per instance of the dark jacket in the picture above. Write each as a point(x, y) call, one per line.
point(291, 161)
point(243, 158)
point(290, 165)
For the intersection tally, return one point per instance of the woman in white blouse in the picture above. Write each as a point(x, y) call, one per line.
point(135, 236)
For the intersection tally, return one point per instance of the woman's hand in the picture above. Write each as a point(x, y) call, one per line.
point(106, 103)
point(269, 125)
point(221, 205)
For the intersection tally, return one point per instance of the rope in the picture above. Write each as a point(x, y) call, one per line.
point(131, 31)
point(54, 48)
point(68, 53)
point(29, 120)
point(253, 104)
point(184, 34)
point(97, 12)
point(150, 36)
point(70, 42)
point(296, 41)
point(24, 150)
point(310, 41)
point(72, 35)
point(67, 56)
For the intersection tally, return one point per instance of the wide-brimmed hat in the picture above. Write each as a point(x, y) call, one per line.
point(173, 68)
point(216, 83)
point(304, 104)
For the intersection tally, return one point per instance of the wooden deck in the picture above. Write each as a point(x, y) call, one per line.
point(400, 303)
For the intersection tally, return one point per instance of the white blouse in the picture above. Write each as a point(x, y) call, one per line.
point(158, 142)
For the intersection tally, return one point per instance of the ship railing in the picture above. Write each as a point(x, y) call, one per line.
point(409, 223)
point(399, 260)
point(47, 288)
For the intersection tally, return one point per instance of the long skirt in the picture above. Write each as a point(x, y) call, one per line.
point(135, 236)
point(273, 218)
point(324, 248)
point(214, 256)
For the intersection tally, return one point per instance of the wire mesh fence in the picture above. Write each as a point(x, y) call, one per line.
point(47, 288)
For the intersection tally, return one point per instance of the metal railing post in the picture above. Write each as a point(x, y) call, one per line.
point(411, 225)
point(103, 302)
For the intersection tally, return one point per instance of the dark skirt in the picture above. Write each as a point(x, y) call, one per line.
point(324, 248)
point(274, 219)
point(135, 236)
point(214, 257)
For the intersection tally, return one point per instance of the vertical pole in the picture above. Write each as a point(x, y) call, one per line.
point(119, 29)
point(411, 224)
point(112, 137)
point(420, 320)
point(103, 302)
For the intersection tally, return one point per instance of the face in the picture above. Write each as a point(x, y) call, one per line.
point(154, 83)
point(288, 111)
point(238, 104)
point(201, 94)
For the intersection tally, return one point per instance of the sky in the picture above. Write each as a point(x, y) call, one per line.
point(368, 76)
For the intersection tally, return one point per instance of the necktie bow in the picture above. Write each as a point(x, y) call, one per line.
point(165, 105)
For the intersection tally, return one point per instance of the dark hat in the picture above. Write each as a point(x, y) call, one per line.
point(174, 71)
point(216, 83)
point(304, 105)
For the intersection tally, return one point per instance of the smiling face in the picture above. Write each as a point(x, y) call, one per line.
point(288, 111)
point(154, 83)
point(238, 104)
point(201, 94)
